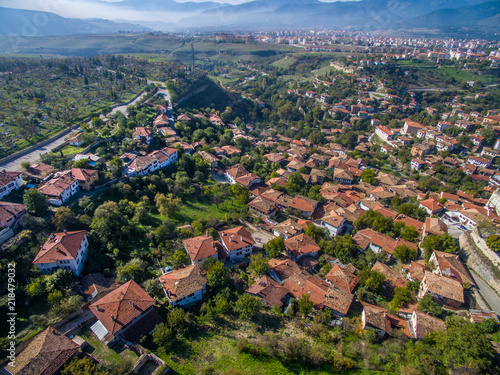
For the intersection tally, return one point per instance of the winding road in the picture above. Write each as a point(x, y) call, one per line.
point(34, 156)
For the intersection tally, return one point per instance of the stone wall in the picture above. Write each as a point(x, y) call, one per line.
point(478, 261)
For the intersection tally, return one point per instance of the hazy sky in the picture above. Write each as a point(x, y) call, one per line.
point(101, 9)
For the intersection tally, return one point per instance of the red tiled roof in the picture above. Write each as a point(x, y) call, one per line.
point(60, 246)
point(269, 291)
point(44, 355)
point(83, 174)
point(342, 278)
point(201, 247)
point(181, 283)
point(236, 238)
point(120, 307)
point(301, 245)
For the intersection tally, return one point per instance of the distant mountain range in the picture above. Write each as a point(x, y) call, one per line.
point(22, 22)
point(263, 14)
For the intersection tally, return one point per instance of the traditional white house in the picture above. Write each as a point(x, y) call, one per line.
point(237, 242)
point(142, 165)
point(65, 250)
point(185, 286)
point(9, 181)
point(334, 223)
point(60, 189)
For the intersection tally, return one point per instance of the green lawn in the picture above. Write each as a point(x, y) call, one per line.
point(110, 355)
point(71, 150)
point(284, 63)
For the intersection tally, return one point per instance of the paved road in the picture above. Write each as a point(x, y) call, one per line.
point(489, 295)
point(34, 156)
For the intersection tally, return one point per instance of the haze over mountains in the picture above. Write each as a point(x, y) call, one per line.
point(163, 15)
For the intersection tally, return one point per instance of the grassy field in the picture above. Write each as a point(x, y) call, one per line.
point(218, 354)
point(284, 63)
point(104, 353)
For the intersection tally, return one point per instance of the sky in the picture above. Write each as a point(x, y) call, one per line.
point(102, 9)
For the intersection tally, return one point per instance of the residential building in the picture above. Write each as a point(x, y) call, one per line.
point(431, 206)
point(142, 165)
point(237, 242)
point(412, 127)
point(263, 207)
point(287, 229)
point(122, 309)
point(86, 177)
point(379, 319)
point(393, 278)
point(334, 223)
point(445, 290)
point(9, 181)
point(420, 324)
point(445, 143)
point(65, 250)
point(60, 189)
point(479, 161)
point(200, 248)
point(377, 242)
point(342, 176)
point(38, 172)
point(417, 164)
point(282, 268)
point(342, 278)
point(143, 134)
point(449, 265)
point(269, 291)
point(185, 286)
point(300, 246)
point(46, 354)
point(10, 213)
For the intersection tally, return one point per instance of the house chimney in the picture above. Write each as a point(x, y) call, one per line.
point(241, 238)
point(113, 318)
point(132, 304)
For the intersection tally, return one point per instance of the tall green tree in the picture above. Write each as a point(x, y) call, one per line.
point(36, 203)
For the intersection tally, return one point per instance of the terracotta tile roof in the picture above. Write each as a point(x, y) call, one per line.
point(382, 192)
point(236, 171)
point(333, 219)
point(269, 290)
point(342, 278)
point(142, 162)
point(301, 245)
point(380, 318)
point(288, 228)
point(410, 222)
point(7, 177)
point(366, 236)
point(60, 246)
point(184, 117)
point(9, 210)
point(83, 174)
point(338, 299)
point(283, 268)
point(39, 171)
point(386, 212)
point(277, 180)
point(451, 266)
point(161, 119)
point(303, 282)
point(143, 132)
point(236, 238)
point(444, 286)
point(201, 247)
point(304, 204)
point(56, 186)
point(342, 174)
point(247, 179)
point(145, 325)
point(274, 158)
point(432, 204)
point(417, 269)
point(44, 355)
point(435, 226)
point(120, 307)
point(272, 195)
point(181, 283)
point(392, 277)
point(426, 324)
